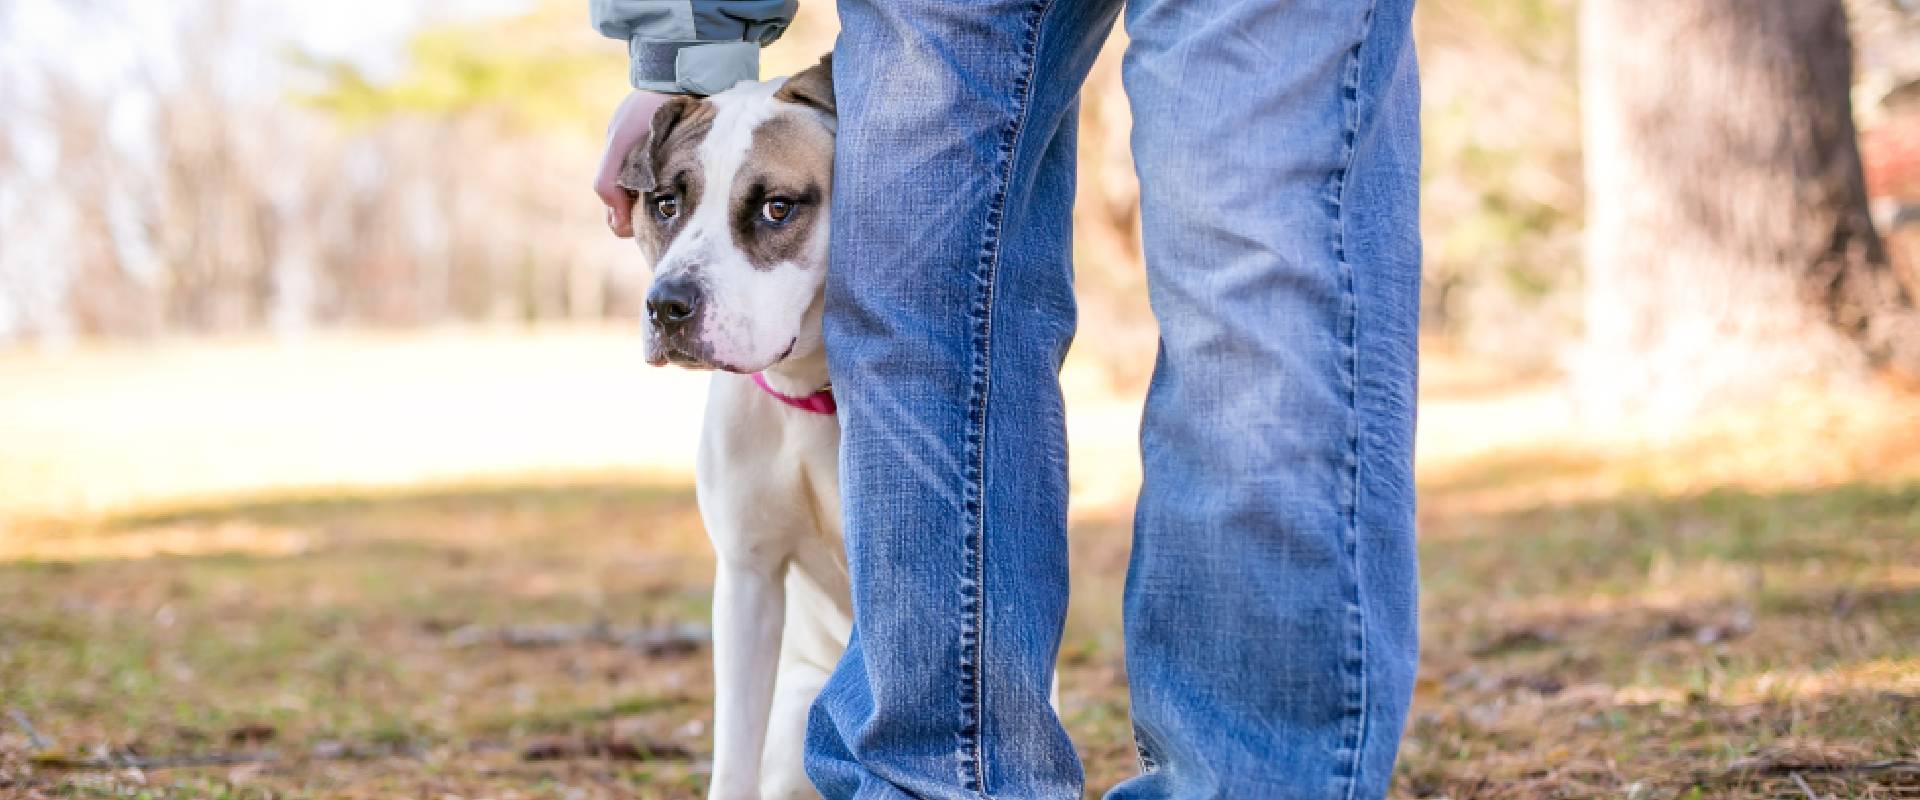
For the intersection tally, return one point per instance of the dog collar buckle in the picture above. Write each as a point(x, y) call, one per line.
point(820, 402)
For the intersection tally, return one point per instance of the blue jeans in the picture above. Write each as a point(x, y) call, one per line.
point(1270, 602)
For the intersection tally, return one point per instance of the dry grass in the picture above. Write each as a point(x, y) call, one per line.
point(237, 548)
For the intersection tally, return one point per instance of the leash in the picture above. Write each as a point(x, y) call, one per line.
point(820, 402)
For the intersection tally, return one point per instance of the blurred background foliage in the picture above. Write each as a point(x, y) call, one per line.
point(533, 73)
point(451, 187)
point(1501, 211)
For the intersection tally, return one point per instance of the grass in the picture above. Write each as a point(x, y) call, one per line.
point(1667, 643)
point(1720, 614)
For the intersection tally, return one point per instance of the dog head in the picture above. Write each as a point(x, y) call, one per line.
point(731, 208)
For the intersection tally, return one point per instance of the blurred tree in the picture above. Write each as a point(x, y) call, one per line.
point(533, 72)
point(1729, 245)
point(472, 162)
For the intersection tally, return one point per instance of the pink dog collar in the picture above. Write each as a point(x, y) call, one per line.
point(820, 402)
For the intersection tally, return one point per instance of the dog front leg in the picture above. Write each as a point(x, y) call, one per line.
point(749, 608)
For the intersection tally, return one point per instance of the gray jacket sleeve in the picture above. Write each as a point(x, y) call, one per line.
point(692, 46)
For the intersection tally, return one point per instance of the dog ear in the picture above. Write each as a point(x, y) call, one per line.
point(812, 86)
point(636, 173)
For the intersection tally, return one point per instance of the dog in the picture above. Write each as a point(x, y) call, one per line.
point(731, 198)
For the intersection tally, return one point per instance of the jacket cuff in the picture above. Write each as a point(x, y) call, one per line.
point(691, 67)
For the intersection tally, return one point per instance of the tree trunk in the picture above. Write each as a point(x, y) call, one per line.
point(1729, 247)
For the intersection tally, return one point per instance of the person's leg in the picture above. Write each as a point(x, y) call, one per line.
point(1271, 597)
point(949, 308)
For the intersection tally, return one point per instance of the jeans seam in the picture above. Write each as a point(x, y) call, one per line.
point(972, 755)
point(1354, 740)
point(1149, 764)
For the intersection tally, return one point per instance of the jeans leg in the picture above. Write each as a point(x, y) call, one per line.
point(949, 309)
point(1271, 632)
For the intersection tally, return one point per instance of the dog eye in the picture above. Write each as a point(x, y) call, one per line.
point(776, 210)
point(666, 206)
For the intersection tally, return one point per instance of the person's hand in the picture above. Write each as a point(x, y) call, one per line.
point(632, 121)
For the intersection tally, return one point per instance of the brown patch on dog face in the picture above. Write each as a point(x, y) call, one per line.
point(666, 172)
point(789, 164)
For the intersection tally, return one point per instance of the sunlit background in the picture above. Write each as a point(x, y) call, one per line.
point(329, 465)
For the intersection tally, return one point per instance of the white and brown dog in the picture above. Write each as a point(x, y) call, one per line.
point(732, 195)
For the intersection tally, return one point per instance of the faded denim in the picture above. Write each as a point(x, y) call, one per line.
point(1270, 603)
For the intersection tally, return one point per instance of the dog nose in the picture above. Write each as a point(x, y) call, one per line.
point(673, 303)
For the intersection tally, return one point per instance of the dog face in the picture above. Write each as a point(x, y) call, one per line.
point(731, 208)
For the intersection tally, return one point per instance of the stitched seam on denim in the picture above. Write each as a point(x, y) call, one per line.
point(1148, 764)
point(1354, 741)
point(973, 767)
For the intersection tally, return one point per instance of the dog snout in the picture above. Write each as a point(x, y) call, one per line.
point(674, 304)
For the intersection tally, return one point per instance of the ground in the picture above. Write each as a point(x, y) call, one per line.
point(469, 565)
